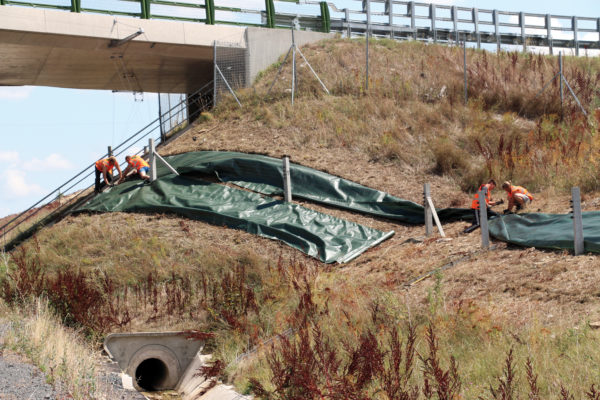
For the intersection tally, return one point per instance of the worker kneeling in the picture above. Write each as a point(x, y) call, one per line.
point(518, 197)
point(138, 165)
point(489, 186)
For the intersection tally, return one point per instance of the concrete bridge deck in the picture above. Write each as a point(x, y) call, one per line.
point(55, 48)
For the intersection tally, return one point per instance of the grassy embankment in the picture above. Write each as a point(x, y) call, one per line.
point(133, 272)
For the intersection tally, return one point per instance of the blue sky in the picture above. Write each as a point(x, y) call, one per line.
point(49, 134)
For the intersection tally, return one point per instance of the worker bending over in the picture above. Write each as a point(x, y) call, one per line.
point(490, 185)
point(518, 197)
point(138, 165)
point(104, 168)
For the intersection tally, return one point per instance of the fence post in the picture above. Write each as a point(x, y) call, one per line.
point(577, 221)
point(496, 29)
point(214, 73)
point(209, 10)
point(465, 68)
point(145, 6)
point(348, 25)
point(522, 23)
point(287, 181)
point(367, 3)
point(575, 35)
point(483, 220)
point(454, 16)
point(560, 78)
point(598, 29)
point(428, 214)
point(75, 5)
point(476, 25)
point(110, 152)
point(549, 32)
point(413, 25)
point(152, 160)
point(432, 17)
point(389, 10)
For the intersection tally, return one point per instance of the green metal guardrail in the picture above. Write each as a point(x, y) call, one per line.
point(269, 16)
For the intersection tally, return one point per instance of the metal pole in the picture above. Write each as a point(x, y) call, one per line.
point(287, 182)
point(561, 77)
point(160, 121)
point(367, 37)
point(428, 214)
point(578, 244)
point(293, 65)
point(214, 73)
point(483, 221)
point(152, 159)
point(110, 152)
point(465, 67)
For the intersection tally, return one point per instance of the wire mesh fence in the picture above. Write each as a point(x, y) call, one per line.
point(173, 111)
point(230, 70)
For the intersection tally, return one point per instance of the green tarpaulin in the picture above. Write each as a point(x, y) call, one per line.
point(550, 231)
point(327, 238)
point(319, 235)
point(265, 175)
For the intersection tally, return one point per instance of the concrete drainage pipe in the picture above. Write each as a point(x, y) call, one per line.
point(153, 368)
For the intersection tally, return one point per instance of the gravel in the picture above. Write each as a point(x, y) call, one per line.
point(20, 380)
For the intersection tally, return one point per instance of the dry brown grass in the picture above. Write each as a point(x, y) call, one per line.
point(408, 130)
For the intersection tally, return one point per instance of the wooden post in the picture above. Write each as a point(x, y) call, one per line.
point(428, 214)
point(152, 160)
point(483, 221)
point(287, 181)
point(577, 221)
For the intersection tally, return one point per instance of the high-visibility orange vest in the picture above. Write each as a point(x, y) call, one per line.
point(105, 162)
point(488, 196)
point(519, 189)
point(137, 162)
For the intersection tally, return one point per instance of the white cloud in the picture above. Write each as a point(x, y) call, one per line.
point(9, 157)
point(14, 185)
point(53, 162)
point(15, 92)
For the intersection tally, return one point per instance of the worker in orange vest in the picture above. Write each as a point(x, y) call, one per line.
point(490, 185)
point(138, 165)
point(517, 196)
point(104, 168)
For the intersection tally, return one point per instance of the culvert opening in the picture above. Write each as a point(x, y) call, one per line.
point(151, 374)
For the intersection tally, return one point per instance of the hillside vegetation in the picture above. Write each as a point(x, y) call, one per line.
point(504, 324)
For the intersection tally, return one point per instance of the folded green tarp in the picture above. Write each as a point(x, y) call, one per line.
point(264, 174)
point(550, 231)
point(325, 237)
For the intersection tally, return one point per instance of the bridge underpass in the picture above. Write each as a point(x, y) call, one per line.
point(88, 51)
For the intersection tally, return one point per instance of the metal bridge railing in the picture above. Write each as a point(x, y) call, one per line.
point(151, 130)
point(395, 19)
